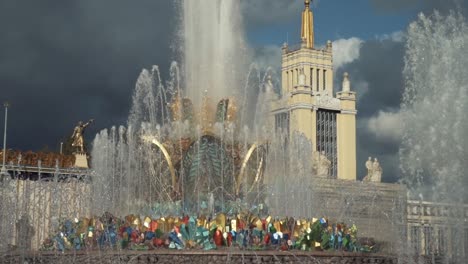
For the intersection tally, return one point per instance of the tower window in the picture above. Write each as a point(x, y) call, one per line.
point(427, 240)
point(442, 245)
point(324, 79)
point(327, 138)
point(282, 123)
point(318, 80)
point(297, 76)
point(311, 77)
point(282, 128)
point(292, 79)
point(415, 241)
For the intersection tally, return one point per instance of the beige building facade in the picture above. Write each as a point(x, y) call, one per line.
point(310, 106)
point(438, 229)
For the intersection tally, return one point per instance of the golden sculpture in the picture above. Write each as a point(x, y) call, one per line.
point(176, 107)
point(77, 137)
point(232, 110)
point(251, 166)
point(167, 156)
point(307, 31)
point(243, 170)
point(207, 115)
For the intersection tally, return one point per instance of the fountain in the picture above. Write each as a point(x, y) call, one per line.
point(195, 150)
point(214, 50)
point(203, 145)
point(201, 135)
point(434, 147)
point(183, 161)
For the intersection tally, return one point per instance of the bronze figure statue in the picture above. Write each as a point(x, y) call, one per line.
point(77, 137)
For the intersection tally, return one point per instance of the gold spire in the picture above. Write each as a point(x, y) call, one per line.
point(307, 31)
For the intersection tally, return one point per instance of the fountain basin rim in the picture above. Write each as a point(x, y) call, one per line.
point(217, 252)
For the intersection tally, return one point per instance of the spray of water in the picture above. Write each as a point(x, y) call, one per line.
point(435, 146)
point(214, 48)
point(434, 150)
point(133, 175)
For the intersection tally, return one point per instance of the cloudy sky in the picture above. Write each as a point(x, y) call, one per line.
point(65, 61)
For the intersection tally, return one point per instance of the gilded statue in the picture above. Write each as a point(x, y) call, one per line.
point(77, 137)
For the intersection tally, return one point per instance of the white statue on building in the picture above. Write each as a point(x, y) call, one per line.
point(369, 166)
point(374, 171)
point(321, 164)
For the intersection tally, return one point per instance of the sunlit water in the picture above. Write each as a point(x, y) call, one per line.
point(132, 176)
point(215, 55)
point(434, 150)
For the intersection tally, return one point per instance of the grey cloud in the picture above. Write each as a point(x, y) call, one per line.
point(268, 57)
point(379, 66)
point(61, 62)
point(262, 12)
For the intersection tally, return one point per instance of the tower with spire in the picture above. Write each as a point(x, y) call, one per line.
point(309, 104)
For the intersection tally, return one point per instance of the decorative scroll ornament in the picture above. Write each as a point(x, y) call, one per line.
point(167, 156)
point(176, 107)
point(258, 171)
point(327, 101)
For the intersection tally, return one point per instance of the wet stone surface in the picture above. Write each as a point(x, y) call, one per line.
point(195, 257)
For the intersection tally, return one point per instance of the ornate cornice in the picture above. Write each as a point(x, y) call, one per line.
point(302, 106)
point(307, 92)
point(349, 112)
point(297, 50)
point(302, 64)
point(328, 102)
point(422, 211)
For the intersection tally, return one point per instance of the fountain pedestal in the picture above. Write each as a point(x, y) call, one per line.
point(377, 209)
point(197, 256)
point(81, 160)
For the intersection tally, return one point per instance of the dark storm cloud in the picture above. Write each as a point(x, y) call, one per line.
point(64, 61)
point(379, 67)
point(268, 12)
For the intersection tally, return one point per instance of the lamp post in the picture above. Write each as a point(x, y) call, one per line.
point(4, 173)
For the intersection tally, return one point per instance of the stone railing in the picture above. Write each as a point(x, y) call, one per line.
point(438, 229)
point(45, 159)
point(435, 212)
